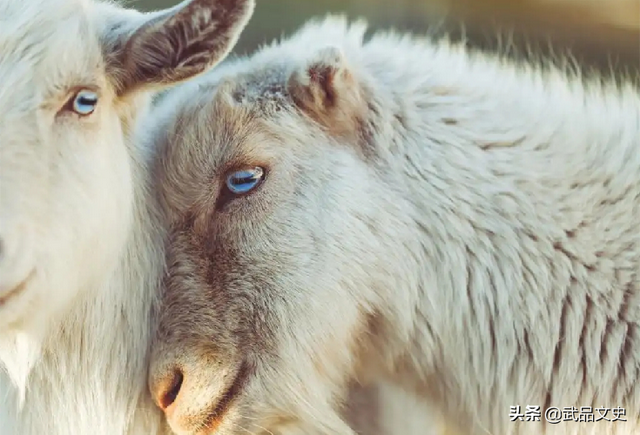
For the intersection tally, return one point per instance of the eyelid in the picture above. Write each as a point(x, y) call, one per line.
point(225, 196)
point(236, 166)
point(248, 170)
point(63, 102)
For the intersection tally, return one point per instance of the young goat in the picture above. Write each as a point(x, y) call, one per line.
point(462, 225)
point(80, 237)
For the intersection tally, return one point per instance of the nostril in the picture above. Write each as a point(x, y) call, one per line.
point(173, 389)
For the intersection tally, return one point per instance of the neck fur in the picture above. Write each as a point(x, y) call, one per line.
point(508, 173)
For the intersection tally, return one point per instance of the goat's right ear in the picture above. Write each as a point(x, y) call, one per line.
point(166, 47)
point(326, 90)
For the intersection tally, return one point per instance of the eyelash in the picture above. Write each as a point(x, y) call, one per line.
point(227, 194)
point(74, 103)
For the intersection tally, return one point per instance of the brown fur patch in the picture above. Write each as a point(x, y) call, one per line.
point(176, 44)
point(327, 92)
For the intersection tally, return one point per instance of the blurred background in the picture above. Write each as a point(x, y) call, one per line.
point(601, 34)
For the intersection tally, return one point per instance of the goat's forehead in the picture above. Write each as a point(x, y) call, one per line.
point(45, 41)
point(209, 131)
point(21, 10)
point(28, 20)
point(225, 118)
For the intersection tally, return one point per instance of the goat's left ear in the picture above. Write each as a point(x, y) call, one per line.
point(169, 46)
point(325, 89)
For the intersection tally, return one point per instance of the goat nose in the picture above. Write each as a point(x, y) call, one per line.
point(167, 389)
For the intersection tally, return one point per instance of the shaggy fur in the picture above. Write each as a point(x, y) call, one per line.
point(461, 225)
point(80, 235)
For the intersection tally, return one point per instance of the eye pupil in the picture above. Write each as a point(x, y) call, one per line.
point(84, 102)
point(245, 180)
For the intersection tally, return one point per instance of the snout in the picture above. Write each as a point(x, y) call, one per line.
point(196, 393)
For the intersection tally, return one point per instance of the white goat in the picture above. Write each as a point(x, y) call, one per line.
point(80, 240)
point(465, 226)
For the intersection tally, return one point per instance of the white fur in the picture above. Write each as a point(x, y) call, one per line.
point(78, 215)
point(493, 232)
point(72, 198)
point(534, 152)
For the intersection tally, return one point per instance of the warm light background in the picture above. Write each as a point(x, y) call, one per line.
point(599, 33)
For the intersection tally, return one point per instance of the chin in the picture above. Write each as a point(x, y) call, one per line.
point(230, 423)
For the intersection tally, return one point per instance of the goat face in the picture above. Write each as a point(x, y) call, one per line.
point(74, 75)
point(277, 248)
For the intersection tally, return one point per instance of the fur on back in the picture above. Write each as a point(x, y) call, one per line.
point(476, 240)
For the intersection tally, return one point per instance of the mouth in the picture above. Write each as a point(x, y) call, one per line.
point(214, 417)
point(17, 290)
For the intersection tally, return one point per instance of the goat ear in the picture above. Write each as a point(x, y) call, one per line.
point(326, 90)
point(162, 48)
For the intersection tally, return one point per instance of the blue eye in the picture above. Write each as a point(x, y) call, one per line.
point(245, 180)
point(84, 102)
